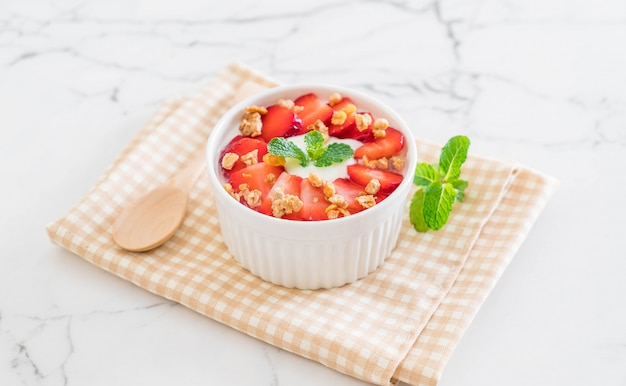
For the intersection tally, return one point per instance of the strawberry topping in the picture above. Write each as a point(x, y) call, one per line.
point(338, 129)
point(313, 109)
point(314, 202)
point(285, 185)
point(362, 175)
point(259, 177)
point(386, 146)
point(279, 121)
point(242, 146)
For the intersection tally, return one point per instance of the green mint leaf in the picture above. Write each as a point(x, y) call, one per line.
point(314, 141)
point(425, 174)
point(334, 153)
point(439, 186)
point(283, 147)
point(416, 211)
point(459, 186)
point(453, 154)
point(438, 201)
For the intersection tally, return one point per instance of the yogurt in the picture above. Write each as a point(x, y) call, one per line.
point(327, 173)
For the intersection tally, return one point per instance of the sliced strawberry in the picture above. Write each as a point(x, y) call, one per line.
point(241, 146)
point(362, 175)
point(337, 130)
point(387, 146)
point(257, 177)
point(279, 121)
point(289, 184)
point(315, 203)
point(313, 109)
point(353, 132)
point(350, 191)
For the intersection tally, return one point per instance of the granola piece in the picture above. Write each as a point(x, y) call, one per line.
point(255, 109)
point(252, 197)
point(229, 159)
point(251, 157)
point(381, 123)
point(321, 128)
point(363, 121)
point(379, 129)
point(329, 189)
point(338, 200)
point(315, 180)
point(286, 103)
point(334, 98)
point(283, 204)
point(270, 177)
point(251, 124)
point(380, 163)
point(397, 163)
point(350, 108)
point(339, 117)
point(333, 211)
point(229, 189)
point(366, 201)
point(373, 186)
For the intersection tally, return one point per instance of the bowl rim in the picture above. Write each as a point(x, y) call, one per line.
point(212, 151)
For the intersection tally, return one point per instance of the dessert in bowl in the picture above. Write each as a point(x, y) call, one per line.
point(326, 215)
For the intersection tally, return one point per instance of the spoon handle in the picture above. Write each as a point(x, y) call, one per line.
point(187, 177)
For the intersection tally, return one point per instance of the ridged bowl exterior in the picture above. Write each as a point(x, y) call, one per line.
point(309, 254)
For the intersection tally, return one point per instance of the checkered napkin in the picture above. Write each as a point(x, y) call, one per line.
point(400, 323)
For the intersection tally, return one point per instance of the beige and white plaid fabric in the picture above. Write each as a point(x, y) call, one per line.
point(401, 323)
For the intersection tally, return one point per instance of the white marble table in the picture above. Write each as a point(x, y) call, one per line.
point(540, 82)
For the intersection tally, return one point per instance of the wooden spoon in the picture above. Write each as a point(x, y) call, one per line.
point(154, 217)
point(150, 220)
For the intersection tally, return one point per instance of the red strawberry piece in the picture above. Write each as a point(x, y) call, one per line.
point(241, 146)
point(353, 132)
point(315, 203)
point(337, 130)
point(257, 176)
point(289, 184)
point(350, 191)
point(279, 121)
point(387, 146)
point(313, 109)
point(362, 175)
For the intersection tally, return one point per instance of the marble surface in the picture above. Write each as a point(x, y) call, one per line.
point(540, 82)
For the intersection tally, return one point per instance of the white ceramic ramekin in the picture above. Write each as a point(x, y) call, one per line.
point(309, 254)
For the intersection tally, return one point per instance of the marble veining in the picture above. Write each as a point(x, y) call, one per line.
point(538, 82)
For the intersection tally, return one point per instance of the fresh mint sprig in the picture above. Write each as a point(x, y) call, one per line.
point(316, 151)
point(439, 186)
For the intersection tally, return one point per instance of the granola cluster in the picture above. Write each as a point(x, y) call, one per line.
point(283, 204)
point(251, 124)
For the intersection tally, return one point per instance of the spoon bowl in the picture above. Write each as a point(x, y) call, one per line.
point(151, 219)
